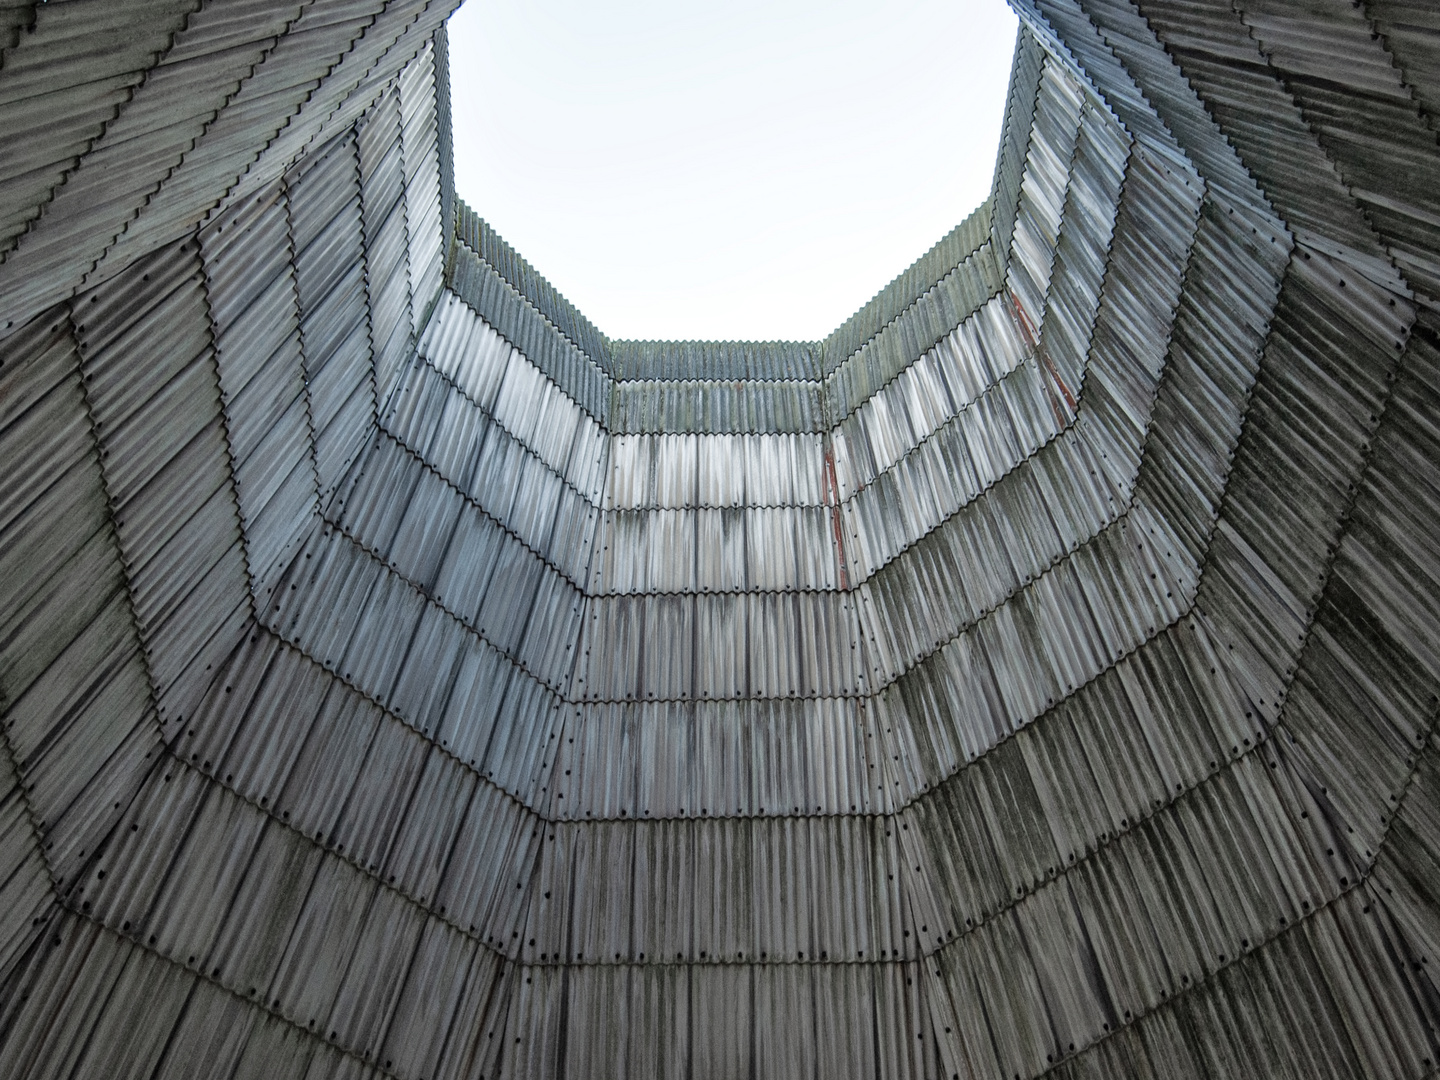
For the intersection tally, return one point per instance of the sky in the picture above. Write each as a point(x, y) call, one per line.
point(740, 170)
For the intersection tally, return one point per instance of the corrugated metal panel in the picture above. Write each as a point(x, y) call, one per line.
point(386, 256)
point(254, 308)
point(296, 64)
point(419, 143)
point(511, 267)
point(1040, 668)
point(205, 62)
point(400, 32)
point(48, 124)
point(323, 198)
point(479, 285)
point(165, 463)
point(26, 893)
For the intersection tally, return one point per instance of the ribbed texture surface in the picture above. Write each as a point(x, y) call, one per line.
point(401, 678)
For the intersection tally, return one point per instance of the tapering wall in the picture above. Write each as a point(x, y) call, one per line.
point(402, 677)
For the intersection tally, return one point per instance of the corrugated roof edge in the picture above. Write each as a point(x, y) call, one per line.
point(643, 359)
point(445, 135)
point(476, 233)
point(971, 234)
point(516, 318)
point(625, 358)
point(910, 285)
point(751, 361)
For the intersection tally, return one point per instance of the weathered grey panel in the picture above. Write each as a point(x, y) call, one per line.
point(1039, 674)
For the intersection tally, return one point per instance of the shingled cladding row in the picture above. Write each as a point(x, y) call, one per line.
point(402, 678)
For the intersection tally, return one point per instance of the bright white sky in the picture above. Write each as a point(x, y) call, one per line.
point(753, 169)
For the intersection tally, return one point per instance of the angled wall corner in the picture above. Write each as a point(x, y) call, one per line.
point(402, 677)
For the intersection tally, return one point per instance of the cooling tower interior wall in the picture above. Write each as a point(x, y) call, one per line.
point(400, 677)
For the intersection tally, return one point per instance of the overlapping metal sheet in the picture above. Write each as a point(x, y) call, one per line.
point(402, 678)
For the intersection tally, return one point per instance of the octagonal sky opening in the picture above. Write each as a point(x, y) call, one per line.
point(747, 171)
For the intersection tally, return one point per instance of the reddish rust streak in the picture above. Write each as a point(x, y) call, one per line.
point(1032, 339)
point(1054, 374)
point(1032, 336)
